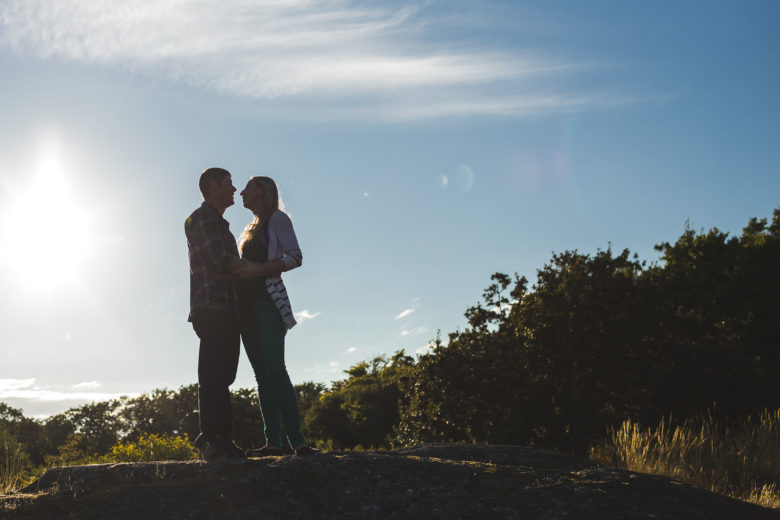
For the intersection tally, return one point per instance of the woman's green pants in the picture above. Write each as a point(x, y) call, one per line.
point(263, 334)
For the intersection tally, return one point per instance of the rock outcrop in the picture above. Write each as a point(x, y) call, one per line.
point(428, 481)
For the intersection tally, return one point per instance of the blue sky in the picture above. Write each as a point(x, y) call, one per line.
point(420, 147)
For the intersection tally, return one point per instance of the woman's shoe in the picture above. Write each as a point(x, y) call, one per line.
point(265, 451)
point(305, 449)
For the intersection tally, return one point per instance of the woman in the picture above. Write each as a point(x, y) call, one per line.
point(269, 243)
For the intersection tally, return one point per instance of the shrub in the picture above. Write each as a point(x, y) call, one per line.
point(151, 447)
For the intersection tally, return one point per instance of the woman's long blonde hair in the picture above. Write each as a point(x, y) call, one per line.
point(269, 203)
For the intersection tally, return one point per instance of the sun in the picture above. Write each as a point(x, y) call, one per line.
point(46, 233)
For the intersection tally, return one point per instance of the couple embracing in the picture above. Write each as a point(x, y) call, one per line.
point(236, 293)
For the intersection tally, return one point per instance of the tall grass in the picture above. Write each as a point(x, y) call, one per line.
point(11, 467)
point(742, 462)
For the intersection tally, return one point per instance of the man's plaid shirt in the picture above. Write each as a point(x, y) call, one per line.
point(211, 248)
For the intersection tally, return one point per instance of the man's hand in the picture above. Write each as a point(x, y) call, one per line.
point(246, 269)
point(244, 272)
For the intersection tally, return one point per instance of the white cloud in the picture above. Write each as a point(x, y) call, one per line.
point(410, 310)
point(425, 349)
point(333, 366)
point(351, 350)
point(51, 395)
point(305, 315)
point(404, 313)
point(27, 389)
point(11, 385)
point(428, 347)
point(413, 332)
point(504, 308)
point(86, 385)
point(337, 56)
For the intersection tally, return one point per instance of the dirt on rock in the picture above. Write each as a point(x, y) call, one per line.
point(428, 481)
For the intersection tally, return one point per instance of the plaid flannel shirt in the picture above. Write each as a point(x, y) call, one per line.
point(211, 248)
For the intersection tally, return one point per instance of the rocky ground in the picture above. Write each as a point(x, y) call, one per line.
point(429, 481)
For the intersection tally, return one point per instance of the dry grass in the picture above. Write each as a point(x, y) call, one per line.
point(11, 467)
point(743, 463)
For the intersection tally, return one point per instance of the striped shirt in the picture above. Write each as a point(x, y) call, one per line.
point(283, 244)
point(211, 247)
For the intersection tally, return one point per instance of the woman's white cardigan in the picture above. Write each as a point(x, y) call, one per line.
point(282, 244)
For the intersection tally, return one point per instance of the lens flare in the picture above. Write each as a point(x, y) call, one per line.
point(465, 176)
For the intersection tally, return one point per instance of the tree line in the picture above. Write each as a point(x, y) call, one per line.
point(596, 340)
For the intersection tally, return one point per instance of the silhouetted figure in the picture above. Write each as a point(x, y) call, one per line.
point(270, 244)
point(214, 312)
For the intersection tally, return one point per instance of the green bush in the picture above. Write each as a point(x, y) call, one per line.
point(152, 447)
point(361, 411)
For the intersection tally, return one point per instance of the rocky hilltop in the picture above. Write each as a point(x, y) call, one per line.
point(428, 481)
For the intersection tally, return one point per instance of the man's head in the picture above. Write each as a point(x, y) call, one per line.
point(217, 188)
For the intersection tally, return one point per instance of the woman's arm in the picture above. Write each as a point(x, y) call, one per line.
point(288, 249)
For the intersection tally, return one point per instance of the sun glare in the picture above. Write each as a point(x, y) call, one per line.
point(46, 232)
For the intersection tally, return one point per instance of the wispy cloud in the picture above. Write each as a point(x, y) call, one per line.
point(86, 385)
point(11, 385)
point(413, 332)
point(27, 389)
point(425, 349)
point(305, 315)
point(404, 313)
point(338, 58)
point(428, 347)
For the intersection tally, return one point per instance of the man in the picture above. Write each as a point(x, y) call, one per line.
point(214, 312)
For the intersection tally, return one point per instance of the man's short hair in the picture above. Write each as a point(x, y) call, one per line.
point(211, 175)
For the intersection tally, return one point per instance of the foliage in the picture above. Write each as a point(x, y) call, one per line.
point(743, 462)
point(161, 411)
point(152, 447)
point(35, 439)
point(362, 410)
point(602, 338)
point(247, 421)
point(92, 430)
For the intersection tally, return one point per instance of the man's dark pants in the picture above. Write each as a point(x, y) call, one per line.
point(220, 345)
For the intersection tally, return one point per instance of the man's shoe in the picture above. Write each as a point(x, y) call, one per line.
point(305, 449)
point(265, 451)
point(208, 448)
